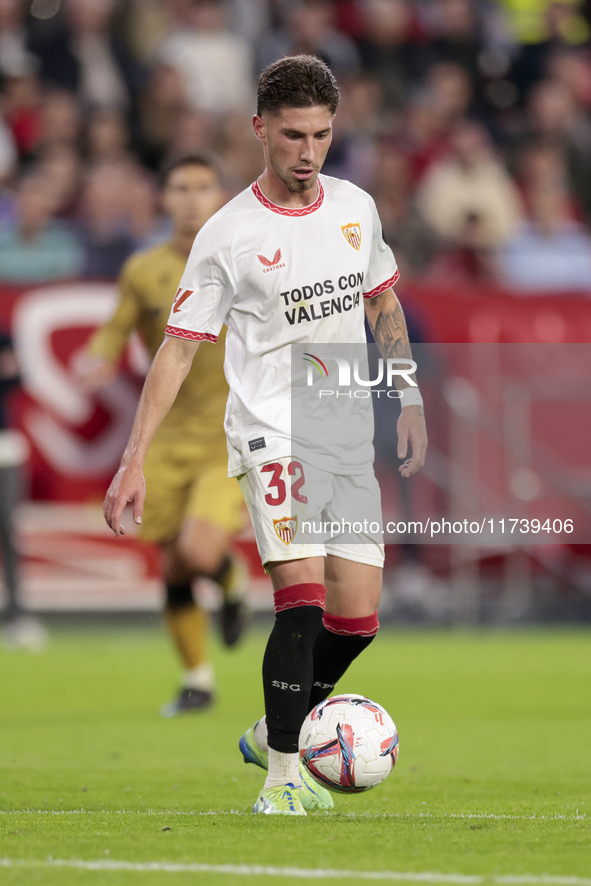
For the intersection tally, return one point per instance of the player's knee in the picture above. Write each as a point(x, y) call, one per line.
point(200, 560)
point(367, 626)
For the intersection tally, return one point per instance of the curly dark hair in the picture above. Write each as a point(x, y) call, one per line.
point(297, 81)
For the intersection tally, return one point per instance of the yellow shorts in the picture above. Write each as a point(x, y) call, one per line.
point(188, 480)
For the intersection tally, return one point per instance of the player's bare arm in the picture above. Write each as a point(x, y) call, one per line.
point(386, 319)
point(167, 373)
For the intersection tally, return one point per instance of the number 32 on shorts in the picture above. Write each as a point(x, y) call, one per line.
point(277, 483)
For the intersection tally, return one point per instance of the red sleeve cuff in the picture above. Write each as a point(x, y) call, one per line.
point(177, 332)
point(379, 289)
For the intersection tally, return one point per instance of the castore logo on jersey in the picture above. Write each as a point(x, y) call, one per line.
point(271, 264)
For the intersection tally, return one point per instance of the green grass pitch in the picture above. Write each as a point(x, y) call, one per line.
point(493, 778)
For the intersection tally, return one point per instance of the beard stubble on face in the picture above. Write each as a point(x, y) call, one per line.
point(299, 187)
point(294, 185)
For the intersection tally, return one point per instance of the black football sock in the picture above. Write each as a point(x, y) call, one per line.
point(288, 667)
point(332, 656)
point(334, 652)
point(179, 595)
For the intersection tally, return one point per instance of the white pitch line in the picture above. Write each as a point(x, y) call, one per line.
point(373, 816)
point(246, 870)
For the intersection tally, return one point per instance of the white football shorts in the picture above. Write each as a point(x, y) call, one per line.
point(300, 511)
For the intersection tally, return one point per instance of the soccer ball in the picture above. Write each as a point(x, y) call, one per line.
point(349, 743)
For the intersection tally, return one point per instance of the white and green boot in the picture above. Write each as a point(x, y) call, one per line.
point(314, 797)
point(283, 800)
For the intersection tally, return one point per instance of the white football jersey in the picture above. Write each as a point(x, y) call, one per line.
point(277, 276)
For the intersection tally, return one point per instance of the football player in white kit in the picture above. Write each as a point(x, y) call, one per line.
point(293, 259)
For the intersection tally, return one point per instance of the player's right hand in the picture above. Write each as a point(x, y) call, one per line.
point(127, 487)
point(94, 373)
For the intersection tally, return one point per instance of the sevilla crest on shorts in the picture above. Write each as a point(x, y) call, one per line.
point(352, 234)
point(286, 528)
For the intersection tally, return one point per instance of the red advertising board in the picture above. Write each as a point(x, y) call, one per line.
point(76, 439)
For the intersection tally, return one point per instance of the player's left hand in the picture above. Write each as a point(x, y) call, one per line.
point(411, 428)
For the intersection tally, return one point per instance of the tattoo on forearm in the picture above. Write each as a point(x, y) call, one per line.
point(391, 336)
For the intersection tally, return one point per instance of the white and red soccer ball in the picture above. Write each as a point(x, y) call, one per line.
point(349, 743)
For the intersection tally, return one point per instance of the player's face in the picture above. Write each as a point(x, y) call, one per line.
point(191, 196)
point(295, 143)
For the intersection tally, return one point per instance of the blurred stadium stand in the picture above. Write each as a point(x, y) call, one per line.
point(468, 120)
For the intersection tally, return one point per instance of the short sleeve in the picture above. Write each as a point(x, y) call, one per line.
point(206, 291)
point(383, 270)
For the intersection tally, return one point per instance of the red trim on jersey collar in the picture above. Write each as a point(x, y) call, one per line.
point(192, 336)
point(283, 210)
point(379, 289)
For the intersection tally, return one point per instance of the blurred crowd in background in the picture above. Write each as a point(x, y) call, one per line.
point(469, 121)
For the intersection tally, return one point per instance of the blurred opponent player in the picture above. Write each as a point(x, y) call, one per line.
point(192, 508)
point(292, 260)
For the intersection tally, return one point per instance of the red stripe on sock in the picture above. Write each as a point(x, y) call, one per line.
point(308, 594)
point(360, 627)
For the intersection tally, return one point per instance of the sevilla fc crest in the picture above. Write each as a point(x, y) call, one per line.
point(352, 234)
point(286, 528)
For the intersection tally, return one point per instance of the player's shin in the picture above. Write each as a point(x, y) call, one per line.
point(339, 642)
point(288, 671)
point(189, 628)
